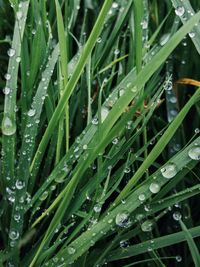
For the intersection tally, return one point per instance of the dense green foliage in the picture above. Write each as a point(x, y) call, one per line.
point(99, 112)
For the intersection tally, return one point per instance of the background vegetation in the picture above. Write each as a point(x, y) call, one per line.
point(100, 145)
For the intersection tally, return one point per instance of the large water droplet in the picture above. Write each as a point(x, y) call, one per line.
point(154, 188)
point(123, 219)
point(194, 153)
point(8, 126)
point(180, 11)
point(169, 170)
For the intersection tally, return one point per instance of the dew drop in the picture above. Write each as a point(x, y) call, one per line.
point(124, 243)
point(127, 170)
point(13, 235)
point(180, 11)
point(178, 258)
point(115, 141)
point(97, 208)
point(7, 76)
point(144, 24)
point(11, 52)
point(192, 34)
point(19, 184)
point(164, 39)
point(17, 217)
point(71, 250)
point(116, 51)
point(99, 40)
point(31, 112)
point(6, 90)
point(194, 153)
point(44, 196)
point(8, 126)
point(147, 226)
point(169, 170)
point(95, 121)
point(177, 216)
point(142, 197)
point(123, 219)
point(115, 5)
point(154, 188)
point(18, 59)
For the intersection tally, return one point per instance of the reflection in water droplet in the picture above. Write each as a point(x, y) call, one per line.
point(123, 219)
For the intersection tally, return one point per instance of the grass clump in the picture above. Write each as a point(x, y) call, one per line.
point(98, 164)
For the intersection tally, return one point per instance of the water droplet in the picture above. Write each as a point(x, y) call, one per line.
point(115, 5)
point(17, 217)
point(147, 226)
point(18, 59)
point(19, 184)
point(13, 235)
point(164, 39)
point(115, 141)
point(194, 153)
point(8, 126)
point(154, 188)
point(11, 52)
point(31, 112)
point(197, 131)
point(178, 258)
point(144, 24)
point(124, 243)
point(71, 250)
point(173, 99)
point(33, 32)
point(95, 121)
point(142, 197)
point(169, 170)
point(6, 90)
point(177, 216)
point(123, 219)
point(7, 76)
point(127, 170)
point(180, 11)
point(44, 196)
point(192, 34)
point(97, 208)
point(99, 40)
point(116, 51)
